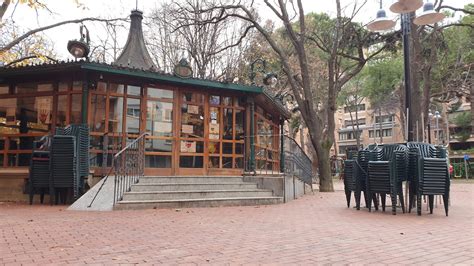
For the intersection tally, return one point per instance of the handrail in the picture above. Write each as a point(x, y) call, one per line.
point(129, 166)
point(297, 161)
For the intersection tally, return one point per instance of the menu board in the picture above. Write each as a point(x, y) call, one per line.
point(188, 146)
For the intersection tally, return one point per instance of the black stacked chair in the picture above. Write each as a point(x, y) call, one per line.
point(39, 174)
point(387, 168)
point(429, 167)
point(81, 133)
point(355, 175)
point(63, 164)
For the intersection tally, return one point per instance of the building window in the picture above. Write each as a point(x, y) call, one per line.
point(354, 108)
point(385, 133)
point(349, 135)
point(384, 119)
point(349, 123)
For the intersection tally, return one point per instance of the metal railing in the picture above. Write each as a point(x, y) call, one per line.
point(296, 161)
point(129, 166)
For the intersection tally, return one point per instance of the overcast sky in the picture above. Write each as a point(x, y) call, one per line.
point(26, 18)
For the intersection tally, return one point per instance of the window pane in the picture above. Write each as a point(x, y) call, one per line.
point(133, 116)
point(159, 118)
point(3, 90)
point(193, 97)
point(97, 123)
point(228, 127)
point(160, 93)
point(239, 102)
point(77, 85)
point(159, 145)
point(63, 86)
point(239, 148)
point(214, 148)
point(214, 162)
point(192, 121)
point(61, 117)
point(214, 126)
point(26, 88)
point(214, 100)
point(226, 162)
point(115, 114)
point(239, 124)
point(227, 101)
point(116, 88)
point(133, 90)
point(227, 148)
point(76, 107)
point(239, 162)
point(101, 86)
point(191, 161)
point(158, 161)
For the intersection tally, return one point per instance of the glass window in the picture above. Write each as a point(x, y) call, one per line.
point(239, 162)
point(214, 100)
point(97, 122)
point(116, 88)
point(214, 147)
point(76, 107)
point(61, 117)
point(63, 86)
point(115, 114)
point(4, 90)
point(77, 85)
point(158, 145)
point(26, 88)
point(191, 161)
point(214, 126)
point(133, 116)
point(192, 121)
point(226, 148)
point(226, 162)
point(214, 162)
point(159, 121)
point(158, 161)
point(160, 93)
point(227, 101)
point(240, 102)
point(239, 124)
point(193, 97)
point(133, 90)
point(101, 86)
point(228, 124)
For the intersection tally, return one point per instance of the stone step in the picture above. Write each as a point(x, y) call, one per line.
point(140, 187)
point(195, 194)
point(192, 203)
point(190, 179)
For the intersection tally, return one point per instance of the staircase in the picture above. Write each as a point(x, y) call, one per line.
point(200, 191)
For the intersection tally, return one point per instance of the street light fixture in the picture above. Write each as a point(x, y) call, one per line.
point(381, 23)
point(260, 65)
point(80, 48)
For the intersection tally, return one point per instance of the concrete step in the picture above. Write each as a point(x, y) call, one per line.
point(190, 179)
point(195, 194)
point(140, 187)
point(192, 203)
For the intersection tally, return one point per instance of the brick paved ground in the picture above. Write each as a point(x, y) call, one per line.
point(315, 229)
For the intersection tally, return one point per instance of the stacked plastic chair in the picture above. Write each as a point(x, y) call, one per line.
point(39, 174)
point(387, 168)
point(63, 163)
point(431, 174)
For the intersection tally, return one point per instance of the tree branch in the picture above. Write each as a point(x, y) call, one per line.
point(31, 32)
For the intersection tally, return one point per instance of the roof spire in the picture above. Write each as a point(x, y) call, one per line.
point(135, 53)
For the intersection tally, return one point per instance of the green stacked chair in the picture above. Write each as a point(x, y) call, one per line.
point(63, 163)
point(387, 168)
point(430, 172)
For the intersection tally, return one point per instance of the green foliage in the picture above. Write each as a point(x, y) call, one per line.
point(463, 122)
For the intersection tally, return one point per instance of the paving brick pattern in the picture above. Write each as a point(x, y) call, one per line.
point(316, 229)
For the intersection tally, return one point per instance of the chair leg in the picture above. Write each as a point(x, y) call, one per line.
point(402, 200)
point(431, 203)
point(42, 196)
point(393, 197)
point(412, 196)
point(418, 204)
point(376, 201)
point(446, 203)
point(348, 198)
point(357, 198)
point(369, 203)
point(383, 197)
point(366, 198)
point(31, 196)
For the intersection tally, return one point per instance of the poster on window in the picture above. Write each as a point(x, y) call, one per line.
point(188, 146)
point(193, 109)
point(11, 116)
point(213, 131)
point(44, 106)
point(187, 129)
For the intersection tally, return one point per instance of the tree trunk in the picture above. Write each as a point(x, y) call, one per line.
point(472, 109)
point(325, 178)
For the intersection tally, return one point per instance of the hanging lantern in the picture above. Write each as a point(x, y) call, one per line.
point(429, 16)
point(182, 69)
point(406, 6)
point(381, 23)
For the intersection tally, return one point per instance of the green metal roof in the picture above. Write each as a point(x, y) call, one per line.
point(169, 78)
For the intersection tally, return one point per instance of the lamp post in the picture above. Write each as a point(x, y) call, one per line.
point(382, 23)
point(430, 115)
point(437, 116)
point(259, 66)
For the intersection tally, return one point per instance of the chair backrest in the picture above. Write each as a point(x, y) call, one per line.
point(389, 149)
point(427, 150)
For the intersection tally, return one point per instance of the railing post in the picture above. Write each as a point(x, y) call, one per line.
point(252, 135)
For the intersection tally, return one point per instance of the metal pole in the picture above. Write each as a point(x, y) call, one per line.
point(282, 148)
point(437, 130)
point(405, 24)
point(429, 132)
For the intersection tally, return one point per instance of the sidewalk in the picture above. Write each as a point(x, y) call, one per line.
point(316, 229)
